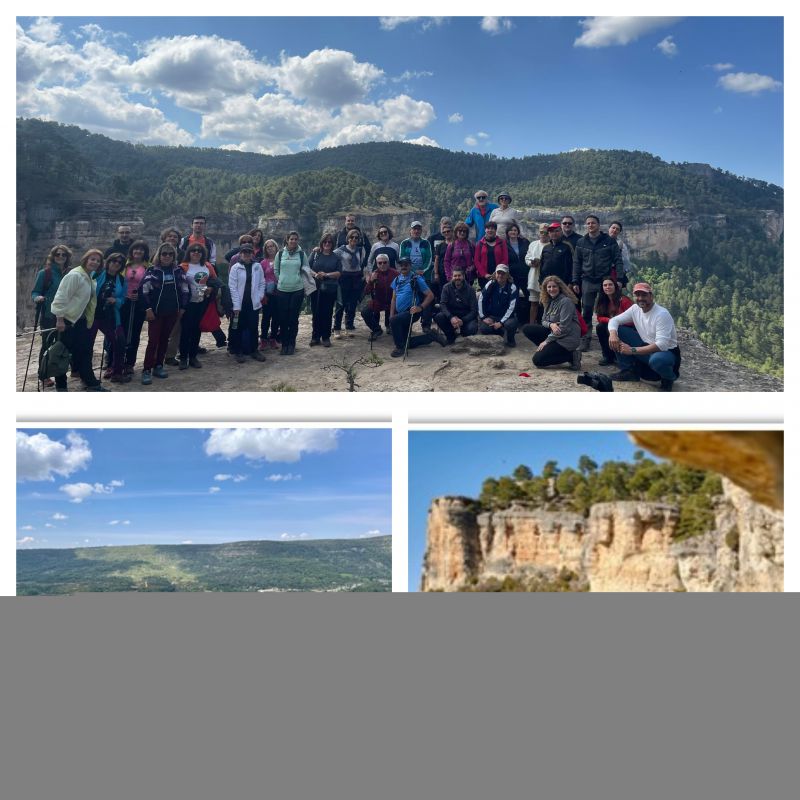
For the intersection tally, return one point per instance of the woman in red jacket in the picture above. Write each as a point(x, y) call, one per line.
point(489, 252)
point(610, 303)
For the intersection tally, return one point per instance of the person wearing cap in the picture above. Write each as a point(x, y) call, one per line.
point(378, 295)
point(597, 257)
point(504, 215)
point(419, 251)
point(533, 258)
point(458, 308)
point(479, 214)
point(556, 255)
point(650, 348)
point(411, 296)
point(496, 306)
point(247, 287)
point(489, 252)
point(571, 236)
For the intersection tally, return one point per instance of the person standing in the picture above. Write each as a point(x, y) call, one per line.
point(353, 258)
point(74, 307)
point(479, 214)
point(419, 251)
point(597, 257)
point(289, 264)
point(446, 238)
point(489, 252)
point(203, 283)
point(247, 287)
point(122, 243)
point(133, 309)
point(349, 225)
point(460, 253)
point(269, 314)
point(56, 266)
point(571, 236)
point(385, 244)
point(166, 294)
point(517, 247)
point(110, 290)
point(615, 231)
point(326, 264)
point(504, 215)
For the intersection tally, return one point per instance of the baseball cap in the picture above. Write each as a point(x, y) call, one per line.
point(416, 224)
point(643, 287)
point(501, 268)
point(553, 225)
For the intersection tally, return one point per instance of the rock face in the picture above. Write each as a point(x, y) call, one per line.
point(620, 547)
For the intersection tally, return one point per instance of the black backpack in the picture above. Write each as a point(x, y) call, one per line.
point(54, 358)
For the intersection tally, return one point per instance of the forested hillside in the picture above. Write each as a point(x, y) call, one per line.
point(727, 284)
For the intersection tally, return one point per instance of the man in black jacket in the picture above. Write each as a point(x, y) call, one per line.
point(349, 224)
point(459, 308)
point(556, 257)
point(121, 243)
point(597, 257)
point(571, 236)
point(496, 306)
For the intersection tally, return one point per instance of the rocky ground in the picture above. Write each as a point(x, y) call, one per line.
point(476, 364)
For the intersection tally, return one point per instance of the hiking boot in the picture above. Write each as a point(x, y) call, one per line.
point(509, 339)
point(585, 344)
point(128, 369)
point(285, 350)
point(147, 377)
point(607, 362)
point(258, 356)
point(291, 349)
point(666, 385)
point(313, 343)
point(326, 342)
point(396, 353)
point(625, 375)
point(438, 336)
point(375, 334)
point(183, 364)
point(240, 358)
point(337, 334)
point(576, 360)
point(160, 372)
point(193, 362)
point(273, 343)
point(173, 362)
point(201, 351)
point(262, 345)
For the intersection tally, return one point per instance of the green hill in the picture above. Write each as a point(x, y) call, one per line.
point(363, 565)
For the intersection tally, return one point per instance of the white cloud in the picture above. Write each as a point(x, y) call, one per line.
point(471, 141)
point(287, 537)
point(328, 77)
point(27, 528)
point(721, 67)
point(496, 25)
point(270, 444)
point(483, 135)
point(25, 540)
point(370, 534)
point(390, 23)
point(454, 119)
point(749, 83)
point(126, 522)
point(426, 141)
point(668, 47)
point(49, 525)
point(114, 522)
point(410, 75)
point(102, 109)
point(214, 489)
point(44, 30)
point(224, 476)
point(187, 541)
point(120, 522)
point(58, 516)
point(607, 31)
point(283, 477)
point(40, 458)
point(78, 492)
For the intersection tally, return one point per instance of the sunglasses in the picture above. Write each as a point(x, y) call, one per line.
point(567, 224)
point(482, 197)
point(383, 233)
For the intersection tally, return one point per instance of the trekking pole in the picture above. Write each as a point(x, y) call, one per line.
point(130, 329)
point(30, 352)
point(408, 335)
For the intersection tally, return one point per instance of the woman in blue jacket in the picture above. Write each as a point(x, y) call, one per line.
point(110, 288)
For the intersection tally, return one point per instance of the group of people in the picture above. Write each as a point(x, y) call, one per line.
point(550, 290)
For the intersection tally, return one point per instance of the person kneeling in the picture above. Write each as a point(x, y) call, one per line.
point(459, 308)
point(410, 298)
point(559, 336)
point(496, 306)
point(650, 349)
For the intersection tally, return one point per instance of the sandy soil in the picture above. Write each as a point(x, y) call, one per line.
point(480, 364)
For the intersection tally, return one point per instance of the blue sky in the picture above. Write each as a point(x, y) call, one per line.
point(704, 89)
point(167, 486)
point(457, 463)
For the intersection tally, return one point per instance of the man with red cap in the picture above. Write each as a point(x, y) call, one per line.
point(649, 349)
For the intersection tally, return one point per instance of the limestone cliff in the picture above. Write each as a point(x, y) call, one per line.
point(624, 546)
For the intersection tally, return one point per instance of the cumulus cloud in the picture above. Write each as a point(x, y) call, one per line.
point(40, 458)
point(390, 23)
point(496, 25)
point(187, 541)
point(749, 83)
point(370, 534)
point(328, 77)
point(214, 489)
point(483, 135)
point(270, 444)
point(721, 67)
point(25, 540)
point(59, 516)
point(224, 476)
point(471, 141)
point(410, 75)
point(78, 492)
point(287, 537)
point(44, 30)
point(283, 477)
point(27, 528)
point(425, 141)
point(608, 31)
point(668, 47)
point(453, 119)
point(49, 525)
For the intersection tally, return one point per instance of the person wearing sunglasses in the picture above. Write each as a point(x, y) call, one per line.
point(110, 290)
point(56, 266)
point(479, 214)
point(203, 282)
point(385, 245)
point(504, 215)
point(353, 256)
point(570, 235)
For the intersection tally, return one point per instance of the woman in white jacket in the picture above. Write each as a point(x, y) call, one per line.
point(247, 286)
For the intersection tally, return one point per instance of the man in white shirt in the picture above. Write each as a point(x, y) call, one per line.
point(649, 349)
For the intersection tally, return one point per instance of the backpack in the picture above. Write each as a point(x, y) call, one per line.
point(54, 358)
